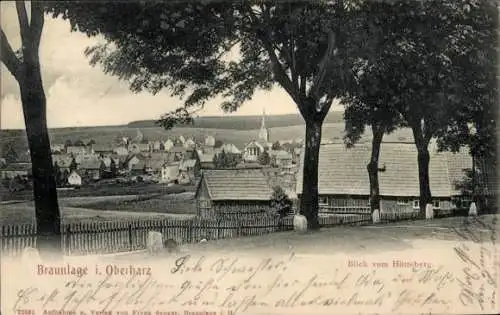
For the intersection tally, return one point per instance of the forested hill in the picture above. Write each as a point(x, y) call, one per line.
point(243, 122)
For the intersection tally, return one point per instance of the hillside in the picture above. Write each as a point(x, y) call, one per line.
point(243, 122)
point(107, 135)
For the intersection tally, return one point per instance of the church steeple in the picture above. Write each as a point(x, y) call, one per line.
point(263, 133)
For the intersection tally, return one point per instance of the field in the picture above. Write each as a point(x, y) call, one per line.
point(110, 189)
point(183, 203)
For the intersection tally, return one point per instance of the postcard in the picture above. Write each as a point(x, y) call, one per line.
point(249, 157)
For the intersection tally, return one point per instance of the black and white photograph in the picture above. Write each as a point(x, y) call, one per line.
point(202, 157)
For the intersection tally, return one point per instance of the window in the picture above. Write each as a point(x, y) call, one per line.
point(402, 202)
point(416, 204)
point(436, 204)
point(323, 201)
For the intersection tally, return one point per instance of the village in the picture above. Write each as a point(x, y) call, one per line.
point(226, 181)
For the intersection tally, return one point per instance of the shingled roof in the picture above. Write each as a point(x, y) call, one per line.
point(343, 171)
point(236, 184)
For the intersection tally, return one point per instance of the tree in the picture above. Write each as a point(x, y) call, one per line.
point(68, 143)
point(113, 168)
point(9, 152)
point(280, 201)
point(264, 158)
point(24, 65)
point(73, 165)
point(91, 142)
point(225, 160)
point(418, 67)
point(296, 45)
point(276, 146)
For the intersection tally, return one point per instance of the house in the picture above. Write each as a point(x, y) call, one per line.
point(228, 148)
point(252, 151)
point(190, 168)
point(91, 169)
point(120, 150)
point(81, 158)
point(74, 179)
point(169, 173)
point(57, 148)
point(136, 148)
point(189, 144)
point(181, 140)
point(155, 145)
point(206, 160)
point(282, 160)
point(167, 145)
point(178, 153)
point(102, 149)
point(77, 150)
point(343, 183)
point(131, 160)
point(12, 170)
point(154, 163)
point(233, 193)
point(209, 144)
point(63, 161)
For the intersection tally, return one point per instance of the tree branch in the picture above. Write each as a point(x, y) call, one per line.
point(9, 58)
point(37, 21)
point(24, 27)
point(325, 107)
point(319, 78)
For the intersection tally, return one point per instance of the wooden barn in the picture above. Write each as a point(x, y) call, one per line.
point(233, 193)
point(343, 183)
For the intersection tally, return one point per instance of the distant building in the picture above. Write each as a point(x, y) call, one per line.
point(121, 150)
point(264, 132)
point(282, 160)
point(235, 193)
point(190, 168)
point(252, 151)
point(136, 148)
point(74, 179)
point(228, 148)
point(102, 149)
point(189, 144)
point(168, 145)
point(206, 160)
point(169, 173)
point(77, 150)
point(57, 148)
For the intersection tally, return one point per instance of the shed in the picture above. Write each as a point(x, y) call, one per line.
point(233, 193)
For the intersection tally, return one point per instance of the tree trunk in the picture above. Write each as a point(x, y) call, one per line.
point(47, 213)
point(372, 168)
point(309, 200)
point(423, 177)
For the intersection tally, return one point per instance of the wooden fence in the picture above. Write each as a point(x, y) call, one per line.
point(106, 237)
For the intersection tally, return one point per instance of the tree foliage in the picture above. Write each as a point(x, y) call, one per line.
point(183, 47)
point(225, 160)
point(9, 152)
point(280, 201)
point(264, 158)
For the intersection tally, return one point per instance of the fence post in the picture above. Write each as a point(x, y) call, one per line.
point(131, 245)
point(68, 240)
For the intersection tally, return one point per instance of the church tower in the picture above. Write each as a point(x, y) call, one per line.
point(263, 133)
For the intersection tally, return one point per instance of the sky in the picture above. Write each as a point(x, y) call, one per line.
point(81, 95)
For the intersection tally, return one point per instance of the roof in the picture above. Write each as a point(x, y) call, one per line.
point(343, 171)
point(229, 148)
point(254, 143)
point(102, 148)
point(91, 164)
point(237, 184)
point(187, 163)
point(62, 160)
point(281, 154)
point(17, 167)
